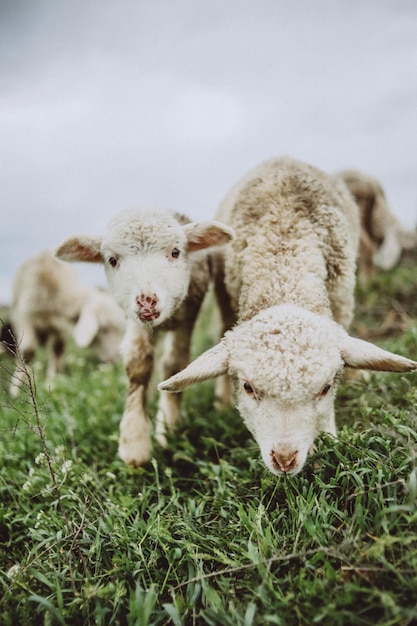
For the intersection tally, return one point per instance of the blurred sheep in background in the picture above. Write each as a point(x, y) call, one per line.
point(383, 237)
point(49, 304)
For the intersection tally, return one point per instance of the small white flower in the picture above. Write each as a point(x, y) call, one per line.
point(39, 518)
point(60, 450)
point(13, 571)
point(40, 458)
point(66, 466)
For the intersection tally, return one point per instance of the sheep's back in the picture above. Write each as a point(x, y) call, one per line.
point(301, 222)
point(46, 291)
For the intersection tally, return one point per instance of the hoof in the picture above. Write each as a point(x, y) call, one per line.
point(135, 453)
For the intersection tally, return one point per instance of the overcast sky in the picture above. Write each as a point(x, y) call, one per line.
point(107, 105)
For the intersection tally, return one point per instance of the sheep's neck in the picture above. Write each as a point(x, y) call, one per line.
point(283, 276)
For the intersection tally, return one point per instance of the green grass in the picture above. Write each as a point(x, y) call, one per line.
point(204, 534)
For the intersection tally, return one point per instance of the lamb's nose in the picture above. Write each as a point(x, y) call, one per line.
point(284, 461)
point(147, 302)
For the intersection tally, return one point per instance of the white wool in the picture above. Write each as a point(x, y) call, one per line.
point(285, 352)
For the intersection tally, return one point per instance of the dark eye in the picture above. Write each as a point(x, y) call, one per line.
point(325, 390)
point(175, 253)
point(113, 261)
point(249, 390)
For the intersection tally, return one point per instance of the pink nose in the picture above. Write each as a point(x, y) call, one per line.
point(147, 307)
point(284, 461)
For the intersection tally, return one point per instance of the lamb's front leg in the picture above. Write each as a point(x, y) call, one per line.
point(175, 358)
point(135, 442)
point(223, 389)
point(56, 357)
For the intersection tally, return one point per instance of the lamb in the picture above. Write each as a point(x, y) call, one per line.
point(158, 277)
point(290, 276)
point(383, 238)
point(49, 302)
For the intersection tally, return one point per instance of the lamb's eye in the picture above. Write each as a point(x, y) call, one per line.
point(113, 261)
point(249, 390)
point(175, 253)
point(325, 390)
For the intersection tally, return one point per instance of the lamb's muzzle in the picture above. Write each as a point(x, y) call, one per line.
point(284, 462)
point(147, 310)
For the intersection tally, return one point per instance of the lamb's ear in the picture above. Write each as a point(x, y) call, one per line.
point(205, 234)
point(361, 354)
point(210, 364)
point(80, 248)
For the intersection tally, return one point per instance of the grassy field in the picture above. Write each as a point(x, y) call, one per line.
point(204, 534)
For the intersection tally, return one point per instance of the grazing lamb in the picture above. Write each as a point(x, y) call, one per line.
point(383, 238)
point(159, 279)
point(50, 302)
point(290, 275)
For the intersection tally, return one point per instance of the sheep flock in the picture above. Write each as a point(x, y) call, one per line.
point(282, 255)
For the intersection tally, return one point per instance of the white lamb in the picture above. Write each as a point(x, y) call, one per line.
point(49, 302)
point(383, 237)
point(290, 275)
point(159, 279)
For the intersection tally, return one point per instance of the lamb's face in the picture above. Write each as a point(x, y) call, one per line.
point(147, 259)
point(286, 375)
point(146, 265)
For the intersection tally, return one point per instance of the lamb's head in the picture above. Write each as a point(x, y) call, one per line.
point(146, 255)
point(286, 364)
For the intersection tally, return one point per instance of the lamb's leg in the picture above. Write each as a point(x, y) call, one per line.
point(389, 253)
point(365, 257)
point(223, 387)
point(175, 358)
point(56, 355)
point(26, 345)
point(135, 444)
